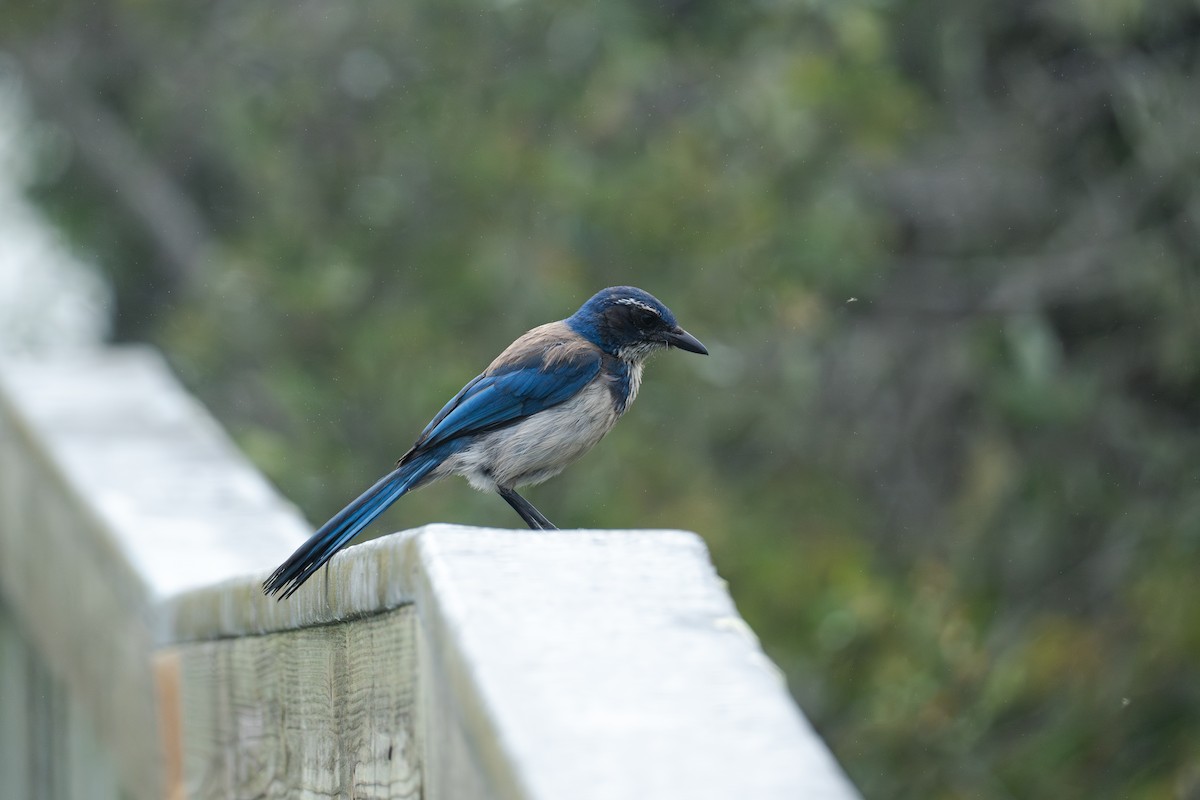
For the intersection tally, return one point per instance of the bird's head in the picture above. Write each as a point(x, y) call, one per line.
point(627, 322)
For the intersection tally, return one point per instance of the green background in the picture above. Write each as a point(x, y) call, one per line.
point(946, 256)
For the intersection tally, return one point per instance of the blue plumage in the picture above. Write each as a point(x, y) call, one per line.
point(546, 400)
point(512, 391)
point(349, 522)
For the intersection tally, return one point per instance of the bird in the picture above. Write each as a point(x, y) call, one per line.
point(541, 404)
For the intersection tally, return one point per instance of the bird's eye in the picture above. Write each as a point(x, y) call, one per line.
point(645, 318)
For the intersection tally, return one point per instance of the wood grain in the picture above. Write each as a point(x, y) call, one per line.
point(326, 711)
point(116, 490)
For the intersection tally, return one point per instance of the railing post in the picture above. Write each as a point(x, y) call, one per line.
point(117, 490)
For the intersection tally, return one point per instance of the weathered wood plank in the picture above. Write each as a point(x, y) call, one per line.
point(321, 712)
point(602, 664)
point(15, 756)
point(77, 602)
point(117, 489)
point(579, 664)
point(148, 466)
point(48, 746)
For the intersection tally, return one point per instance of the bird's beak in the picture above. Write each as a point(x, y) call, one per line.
point(685, 341)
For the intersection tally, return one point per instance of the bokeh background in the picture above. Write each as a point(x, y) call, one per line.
point(946, 254)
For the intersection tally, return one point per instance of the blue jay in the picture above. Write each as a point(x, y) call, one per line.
point(539, 406)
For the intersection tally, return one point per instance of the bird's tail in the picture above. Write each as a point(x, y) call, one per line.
point(346, 524)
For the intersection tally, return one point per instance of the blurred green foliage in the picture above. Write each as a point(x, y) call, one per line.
point(946, 255)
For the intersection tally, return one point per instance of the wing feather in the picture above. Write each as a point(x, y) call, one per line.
point(530, 376)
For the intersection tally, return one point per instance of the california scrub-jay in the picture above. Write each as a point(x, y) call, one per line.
point(539, 406)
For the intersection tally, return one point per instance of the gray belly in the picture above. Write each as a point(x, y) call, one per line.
point(536, 448)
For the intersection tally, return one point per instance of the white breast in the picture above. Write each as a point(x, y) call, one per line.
point(539, 447)
point(635, 381)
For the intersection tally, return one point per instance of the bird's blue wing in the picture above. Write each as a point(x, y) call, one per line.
point(511, 391)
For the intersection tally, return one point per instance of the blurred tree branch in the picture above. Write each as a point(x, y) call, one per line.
point(160, 208)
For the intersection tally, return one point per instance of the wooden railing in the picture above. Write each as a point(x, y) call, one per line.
point(138, 657)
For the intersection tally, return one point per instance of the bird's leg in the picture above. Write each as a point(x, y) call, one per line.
point(533, 518)
point(546, 524)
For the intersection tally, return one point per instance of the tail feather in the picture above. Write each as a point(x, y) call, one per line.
point(344, 526)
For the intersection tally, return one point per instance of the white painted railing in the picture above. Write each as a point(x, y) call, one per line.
point(139, 659)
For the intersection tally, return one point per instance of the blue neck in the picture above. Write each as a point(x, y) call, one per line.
point(588, 325)
point(621, 384)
